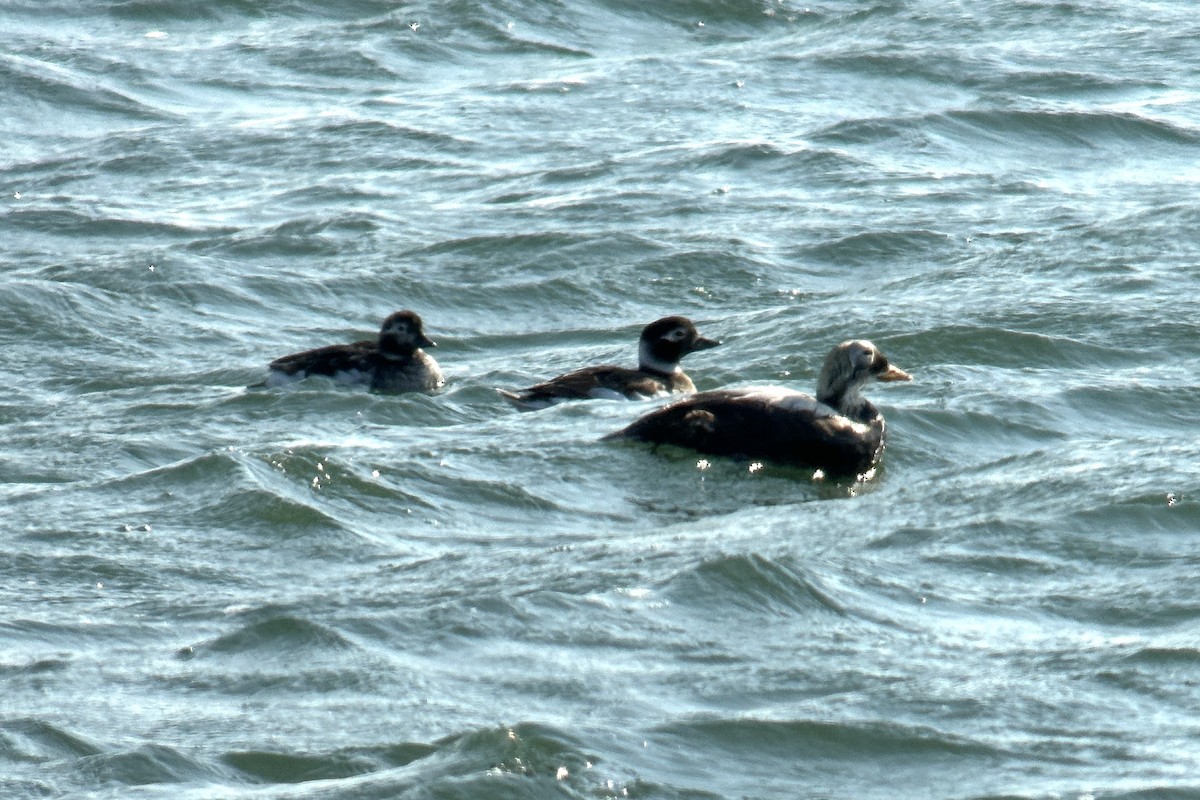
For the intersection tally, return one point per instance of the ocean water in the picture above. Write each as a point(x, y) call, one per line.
point(213, 590)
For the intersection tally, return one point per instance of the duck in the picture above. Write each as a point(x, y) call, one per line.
point(394, 362)
point(663, 343)
point(838, 432)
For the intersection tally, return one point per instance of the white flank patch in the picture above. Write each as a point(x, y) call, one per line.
point(275, 378)
point(601, 393)
point(640, 396)
point(800, 403)
point(526, 405)
point(351, 377)
point(787, 399)
point(846, 424)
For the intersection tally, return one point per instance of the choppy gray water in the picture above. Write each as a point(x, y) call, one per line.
point(213, 591)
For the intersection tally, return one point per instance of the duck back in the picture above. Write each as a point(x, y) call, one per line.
point(772, 424)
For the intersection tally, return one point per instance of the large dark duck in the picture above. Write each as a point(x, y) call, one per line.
point(662, 345)
point(393, 362)
point(838, 431)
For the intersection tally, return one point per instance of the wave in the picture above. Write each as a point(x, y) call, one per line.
point(275, 639)
point(890, 64)
point(1134, 515)
point(857, 741)
point(759, 164)
point(1098, 129)
point(264, 766)
point(175, 10)
point(35, 741)
point(1010, 348)
point(251, 496)
point(1153, 409)
point(147, 764)
point(1014, 127)
point(36, 84)
point(871, 247)
point(1152, 790)
point(92, 223)
point(1166, 656)
point(754, 582)
point(515, 761)
point(724, 19)
point(296, 239)
point(53, 308)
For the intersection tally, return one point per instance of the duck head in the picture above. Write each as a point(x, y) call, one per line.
point(401, 335)
point(850, 366)
point(665, 341)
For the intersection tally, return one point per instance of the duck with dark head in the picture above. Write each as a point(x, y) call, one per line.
point(662, 345)
point(393, 362)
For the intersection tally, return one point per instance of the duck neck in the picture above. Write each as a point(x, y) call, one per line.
point(647, 362)
point(850, 403)
point(395, 351)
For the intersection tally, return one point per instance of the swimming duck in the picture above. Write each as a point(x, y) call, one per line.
point(662, 345)
point(394, 362)
point(838, 431)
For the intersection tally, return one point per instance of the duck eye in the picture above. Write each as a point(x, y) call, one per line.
point(676, 335)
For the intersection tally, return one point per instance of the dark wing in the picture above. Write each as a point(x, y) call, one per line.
point(329, 360)
point(785, 427)
point(581, 384)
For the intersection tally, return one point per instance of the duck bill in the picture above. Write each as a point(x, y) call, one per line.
point(893, 373)
point(704, 344)
point(426, 342)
